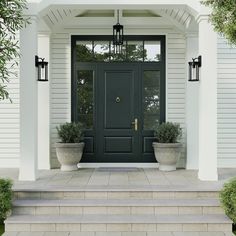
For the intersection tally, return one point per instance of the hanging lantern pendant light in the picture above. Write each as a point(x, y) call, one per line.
point(118, 34)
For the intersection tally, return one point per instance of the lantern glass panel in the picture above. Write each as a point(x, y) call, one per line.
point(190, 64)
point(46, 71)
point(40, 71)
point(118, 52)
point(118, 34)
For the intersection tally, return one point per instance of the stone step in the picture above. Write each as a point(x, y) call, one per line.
point(195, 233)
point(119, 223)
point(113, 194)
point(122, 206)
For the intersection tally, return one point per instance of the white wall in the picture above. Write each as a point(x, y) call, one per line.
point(226, 104)
point(60, 82)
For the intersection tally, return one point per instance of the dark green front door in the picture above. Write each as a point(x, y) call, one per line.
point(119, 103)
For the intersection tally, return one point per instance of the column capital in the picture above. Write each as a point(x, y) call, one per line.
point(202, 18)
point(204, 13)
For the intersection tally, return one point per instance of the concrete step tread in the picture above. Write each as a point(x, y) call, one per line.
point(117, 202)
point(211, 187)
point(125, 219)
point(40, 233)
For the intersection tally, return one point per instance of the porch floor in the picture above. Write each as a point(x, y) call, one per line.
point(119, 178)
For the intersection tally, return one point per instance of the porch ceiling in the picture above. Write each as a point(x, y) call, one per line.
point(58, 17)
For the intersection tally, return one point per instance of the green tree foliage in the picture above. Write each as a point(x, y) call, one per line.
point(5, 198)
point(223, 17)
point(11, 21)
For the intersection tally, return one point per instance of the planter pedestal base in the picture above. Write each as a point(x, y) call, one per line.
point(167, 167)
point(69, 167)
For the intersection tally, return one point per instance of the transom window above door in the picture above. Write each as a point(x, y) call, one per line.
point(131, 51)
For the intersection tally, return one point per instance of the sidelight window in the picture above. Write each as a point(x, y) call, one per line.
point(85, 97)
point(151, 99)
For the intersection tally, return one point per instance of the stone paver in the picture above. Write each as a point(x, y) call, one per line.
point(118, 177)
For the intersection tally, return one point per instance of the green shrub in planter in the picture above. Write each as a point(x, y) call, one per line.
point(168, 132)
point(5, 198)
point(70, 132)
point(228, 199)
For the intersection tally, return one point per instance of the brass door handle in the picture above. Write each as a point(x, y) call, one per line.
point(135, 123)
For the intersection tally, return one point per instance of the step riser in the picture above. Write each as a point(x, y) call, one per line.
point(137, 227)
point(124, 210)
point(115, 195)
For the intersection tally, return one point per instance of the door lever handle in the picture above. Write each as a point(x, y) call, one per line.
point(135, 123)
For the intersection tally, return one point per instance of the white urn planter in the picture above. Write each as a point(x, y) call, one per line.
point(69, 155)
point(167, 155)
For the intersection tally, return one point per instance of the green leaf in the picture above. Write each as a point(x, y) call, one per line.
point(11, 21)
point(223, 17)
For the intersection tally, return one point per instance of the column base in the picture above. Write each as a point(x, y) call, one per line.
point(27, 175)
point(208, 176)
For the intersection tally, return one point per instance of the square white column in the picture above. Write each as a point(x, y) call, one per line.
point(28, 102)
point(207, 101)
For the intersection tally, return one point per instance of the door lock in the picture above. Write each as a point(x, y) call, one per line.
point(135, 123)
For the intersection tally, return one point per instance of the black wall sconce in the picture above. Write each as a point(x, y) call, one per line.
point(194, 66)
point(118, 34)
point(42, 66)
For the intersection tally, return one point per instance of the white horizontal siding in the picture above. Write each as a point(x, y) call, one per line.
point(10, 124)
point(60, 84)
point(226, 103)
point(176, 84)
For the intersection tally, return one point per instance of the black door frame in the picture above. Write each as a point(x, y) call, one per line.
point(142, 66)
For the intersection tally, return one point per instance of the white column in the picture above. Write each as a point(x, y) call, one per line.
point(28, 102)
point(43, 108)
point(192, 103)
point(207, 101)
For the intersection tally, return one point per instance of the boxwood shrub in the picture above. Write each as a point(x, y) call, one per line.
point(228, 199)
point(5, 198)
point(168, 132)
point(70, 132)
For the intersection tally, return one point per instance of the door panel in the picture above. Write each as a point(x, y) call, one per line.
point(118, 141)
point(119, 99)
point(118, 144)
